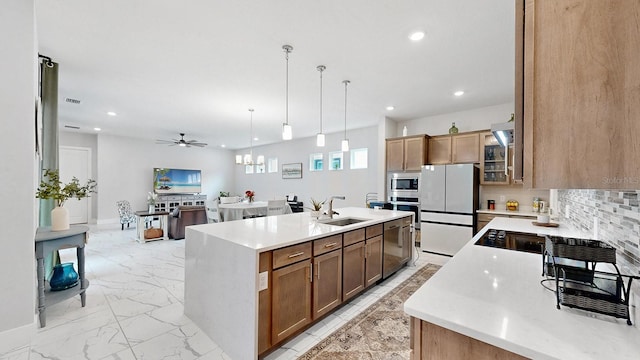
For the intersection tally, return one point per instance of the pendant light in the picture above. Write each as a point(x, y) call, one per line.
point(320, 136)
point(248, 158)
point(287, 131)
point(345, 142)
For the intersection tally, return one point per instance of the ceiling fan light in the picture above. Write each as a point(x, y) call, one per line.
point(345, 145)
point(238, 159)
point(320, 139)
point(182, 144)
point(287, 132)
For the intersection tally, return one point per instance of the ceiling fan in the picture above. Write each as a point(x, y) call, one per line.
point(182, 142)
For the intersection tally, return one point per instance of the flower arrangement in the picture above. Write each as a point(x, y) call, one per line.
point(249, 194)
point(52, 188)
point(152, 198)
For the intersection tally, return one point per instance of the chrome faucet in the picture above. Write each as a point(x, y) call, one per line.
point(331, 212)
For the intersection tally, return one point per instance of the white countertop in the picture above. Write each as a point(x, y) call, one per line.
point(494, 295)
point(273, 232)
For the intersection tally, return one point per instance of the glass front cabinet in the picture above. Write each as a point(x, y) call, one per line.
point(494, 167)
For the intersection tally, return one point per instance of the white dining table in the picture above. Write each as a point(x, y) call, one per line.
point(242, 210)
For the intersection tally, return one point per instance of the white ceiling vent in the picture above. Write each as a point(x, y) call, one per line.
point(72, 127)
point(73, 101)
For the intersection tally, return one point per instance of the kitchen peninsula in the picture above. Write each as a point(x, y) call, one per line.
point(489, 301)
point(235, 272)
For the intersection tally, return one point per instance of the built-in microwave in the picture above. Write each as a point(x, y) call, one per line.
point(409, 182)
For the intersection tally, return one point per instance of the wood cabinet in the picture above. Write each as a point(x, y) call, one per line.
point(494, 165)
point(327, 275)
point(454, 149)
point(353, 277)
point(291, 291)
point(581, 98)
point(373, 260)
point(406, 153)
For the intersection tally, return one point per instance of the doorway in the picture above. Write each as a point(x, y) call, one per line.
point(76, 161)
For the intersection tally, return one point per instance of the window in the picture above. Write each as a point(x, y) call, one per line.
point(260, 169)
point(272, 165)
point(316, 162)
point(335, 160)
point(248, 169)
point(359, 158)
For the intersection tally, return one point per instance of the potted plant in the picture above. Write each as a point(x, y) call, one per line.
point(316, 207)
point(225, 198)
point(152, 198)
point(52, 188)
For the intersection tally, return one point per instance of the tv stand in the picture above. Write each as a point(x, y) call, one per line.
point(168, 202)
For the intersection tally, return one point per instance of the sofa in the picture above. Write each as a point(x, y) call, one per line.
point(183, 216)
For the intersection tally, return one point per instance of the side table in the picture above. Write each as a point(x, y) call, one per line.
point(47, 241)
point(163, 217)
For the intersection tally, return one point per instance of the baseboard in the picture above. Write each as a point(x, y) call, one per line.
point(17, 338)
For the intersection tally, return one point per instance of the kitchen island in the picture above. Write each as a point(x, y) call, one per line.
point(488, 303)
point(233, 268)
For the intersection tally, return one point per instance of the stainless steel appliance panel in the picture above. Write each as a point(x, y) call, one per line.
point(397, 247)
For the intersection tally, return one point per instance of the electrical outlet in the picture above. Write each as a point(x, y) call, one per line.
point(503, 198)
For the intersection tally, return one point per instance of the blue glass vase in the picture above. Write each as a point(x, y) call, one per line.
point(64, 276)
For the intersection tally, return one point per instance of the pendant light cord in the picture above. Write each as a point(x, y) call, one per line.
point(251, 135)
point(321, 68)
point(346, 82)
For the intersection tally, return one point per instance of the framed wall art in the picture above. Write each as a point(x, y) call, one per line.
point(292, 171)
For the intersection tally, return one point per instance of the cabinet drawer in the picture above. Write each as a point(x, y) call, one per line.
point(406, 221)
point(327, 244)
point(373, 230)
point(353, 237)
point(291, 254)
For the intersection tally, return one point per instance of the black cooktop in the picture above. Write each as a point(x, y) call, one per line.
point(512, 240)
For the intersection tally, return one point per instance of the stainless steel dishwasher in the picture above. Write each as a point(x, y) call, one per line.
point(397, 245)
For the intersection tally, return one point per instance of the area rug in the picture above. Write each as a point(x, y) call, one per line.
point(381, 332)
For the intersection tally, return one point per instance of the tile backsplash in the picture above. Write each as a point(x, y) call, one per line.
point(612, 216)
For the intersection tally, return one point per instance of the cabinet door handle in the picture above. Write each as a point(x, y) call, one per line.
point(331, 245)
point(311, 272)
point(506, 160)
point(318, 271)
point(296, 254)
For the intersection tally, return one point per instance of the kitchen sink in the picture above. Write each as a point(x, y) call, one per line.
point(342, 222)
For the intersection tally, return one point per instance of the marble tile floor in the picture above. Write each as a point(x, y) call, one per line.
point(135, 307)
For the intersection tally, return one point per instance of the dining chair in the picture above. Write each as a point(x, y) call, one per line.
point(276, 207)
point(213, 215)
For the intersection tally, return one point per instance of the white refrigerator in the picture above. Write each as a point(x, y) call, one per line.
point(449, 198)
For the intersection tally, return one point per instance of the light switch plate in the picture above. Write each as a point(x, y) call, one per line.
point(263, 280)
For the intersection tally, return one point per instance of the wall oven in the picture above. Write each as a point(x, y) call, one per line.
point(403, 193)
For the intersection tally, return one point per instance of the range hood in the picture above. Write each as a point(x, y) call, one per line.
point(503, 132)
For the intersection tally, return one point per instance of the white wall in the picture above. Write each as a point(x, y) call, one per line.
point(18, 74)
point(125, 170)
point(470, 120)
point(354, 184)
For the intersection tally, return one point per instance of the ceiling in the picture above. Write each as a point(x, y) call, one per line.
point(196, 66)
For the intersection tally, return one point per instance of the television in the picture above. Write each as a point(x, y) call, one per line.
point(176, 181)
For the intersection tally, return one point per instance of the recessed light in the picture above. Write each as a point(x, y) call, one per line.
point(111, 113)
point(223, 145)
point(255, 139)
point(416, 36)
point(97, 129)
point(390, 107)
point(458, 93)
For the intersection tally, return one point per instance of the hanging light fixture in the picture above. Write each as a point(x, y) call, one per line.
point(287, 131)
point(248, 158)
point(345, 142)
point(320, 136)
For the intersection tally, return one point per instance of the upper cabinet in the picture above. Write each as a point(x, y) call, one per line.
point(494, 167)
point(454, 149)
point(407, 153)
point(581, 94)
